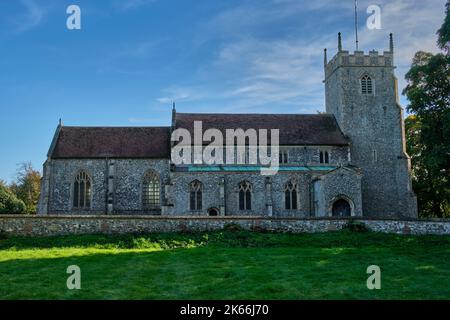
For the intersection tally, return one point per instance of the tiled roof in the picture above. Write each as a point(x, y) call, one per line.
point(154, 142)
point(294, 129)
point(112, 142)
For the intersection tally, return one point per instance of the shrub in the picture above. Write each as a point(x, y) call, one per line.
point(232, 227)
point(355, 226)
point(9, 204)
point(259, 229)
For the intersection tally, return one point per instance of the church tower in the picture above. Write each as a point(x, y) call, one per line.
point(361, 91)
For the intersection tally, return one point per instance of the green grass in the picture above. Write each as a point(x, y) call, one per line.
point(226, 265)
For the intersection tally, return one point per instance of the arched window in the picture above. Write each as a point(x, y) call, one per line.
point(151, 191)
point(195, 190)
point(290, 195)
point(324, 157)
point(213, 212)
point(82, 187)
point(245, 195)
point(366, 85)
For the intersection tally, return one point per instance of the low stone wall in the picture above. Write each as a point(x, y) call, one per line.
point(61, 225)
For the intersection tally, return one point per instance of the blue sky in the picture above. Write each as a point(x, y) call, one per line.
point(133, 57)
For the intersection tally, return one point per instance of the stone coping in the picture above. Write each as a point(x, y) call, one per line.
point(150, 217)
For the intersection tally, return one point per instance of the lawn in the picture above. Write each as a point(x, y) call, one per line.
point(226, 265)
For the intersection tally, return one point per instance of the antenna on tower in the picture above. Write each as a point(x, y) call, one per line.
point(356, 24)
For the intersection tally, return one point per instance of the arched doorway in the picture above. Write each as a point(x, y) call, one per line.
point(213, 212)
point(341, 208)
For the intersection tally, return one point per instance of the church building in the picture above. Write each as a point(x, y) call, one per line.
point(349, 161)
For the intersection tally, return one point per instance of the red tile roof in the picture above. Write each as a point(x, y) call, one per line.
point(112, 142)
point(294, 129)
point(154, 142)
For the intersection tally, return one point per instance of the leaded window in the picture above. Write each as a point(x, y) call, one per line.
point(284, 157)
point(290, 195)
point(82, 188)
point(195, 190)
point(151, 191)
point(245, 196)
point(324, 157)
point(366, 85)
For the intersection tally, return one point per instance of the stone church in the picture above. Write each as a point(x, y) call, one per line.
point(349, 161)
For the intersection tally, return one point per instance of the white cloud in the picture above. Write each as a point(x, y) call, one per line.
point(178, 94)
point(414, 25)
point(275, 71)
point(31, 18)
point(126, 58)
point(131, 4)
point(254, 71)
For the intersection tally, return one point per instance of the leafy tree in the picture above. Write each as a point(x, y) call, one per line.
point(414, 147)
point(27, 186)
point(9, 204)
point(428, 130)
point(424, 183)
point(444, 31)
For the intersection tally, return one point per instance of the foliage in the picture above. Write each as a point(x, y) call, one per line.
point(226, 265)
point(444, 31)
point(232, 227)
point(426, 185)
point(9, 203)
point(27, 186)
point(428, 129)
point(356, 226)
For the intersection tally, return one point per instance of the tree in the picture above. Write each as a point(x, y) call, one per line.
point(428, 131)
point(27, 186)
point(424, 183)
point(9, 204)
point(444, 31)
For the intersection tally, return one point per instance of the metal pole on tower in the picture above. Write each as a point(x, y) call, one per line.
point(356, 24)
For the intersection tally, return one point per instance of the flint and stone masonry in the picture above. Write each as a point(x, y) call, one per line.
point(347, 162)
point(69, 224)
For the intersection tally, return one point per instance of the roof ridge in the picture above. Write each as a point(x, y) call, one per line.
point(255, 114)
point(116, 127)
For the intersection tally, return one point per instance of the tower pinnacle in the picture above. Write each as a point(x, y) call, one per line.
point(391, 43)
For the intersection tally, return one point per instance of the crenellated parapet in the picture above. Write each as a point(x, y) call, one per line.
point(359, 59)
point(345, 58)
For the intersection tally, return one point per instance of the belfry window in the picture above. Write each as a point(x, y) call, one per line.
point(151, 191)
point(245, 195)
point(195, 192)
point(82, 191)
point(366, 85)
point(290, 195)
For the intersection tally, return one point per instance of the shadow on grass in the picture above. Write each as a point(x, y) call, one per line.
point(231, 239)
